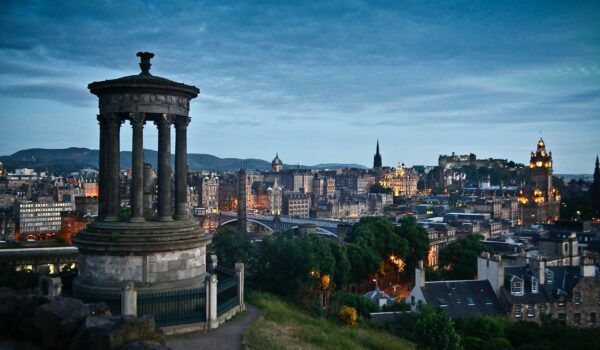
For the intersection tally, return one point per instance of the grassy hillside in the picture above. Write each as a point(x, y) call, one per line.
point(284, 326)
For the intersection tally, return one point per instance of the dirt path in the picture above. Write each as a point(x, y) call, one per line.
point(227, 337)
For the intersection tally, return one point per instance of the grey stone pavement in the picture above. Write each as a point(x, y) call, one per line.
point(227, 336)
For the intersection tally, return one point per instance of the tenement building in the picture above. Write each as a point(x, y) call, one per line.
point(162, 252)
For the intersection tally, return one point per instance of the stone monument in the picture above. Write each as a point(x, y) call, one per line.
point(161, 253)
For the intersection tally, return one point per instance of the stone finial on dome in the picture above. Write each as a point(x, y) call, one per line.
point(145, 62)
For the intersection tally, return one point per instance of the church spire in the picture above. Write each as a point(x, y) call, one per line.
point(377, 157)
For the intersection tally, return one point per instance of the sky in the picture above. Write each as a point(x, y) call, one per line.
point(317, 81)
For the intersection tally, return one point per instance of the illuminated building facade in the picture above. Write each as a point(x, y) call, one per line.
point(539, 201)
point(402, 181)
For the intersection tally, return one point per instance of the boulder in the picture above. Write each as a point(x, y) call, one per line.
point(48, 317)
point(23, 326)
point(104, 332)
point(71, 323)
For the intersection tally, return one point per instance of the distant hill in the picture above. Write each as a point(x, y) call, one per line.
point(74, 159)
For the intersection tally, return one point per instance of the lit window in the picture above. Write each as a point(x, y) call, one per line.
point(518, 310)
point(530, 311)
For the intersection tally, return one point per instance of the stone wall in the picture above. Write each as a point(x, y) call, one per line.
point(156, 267)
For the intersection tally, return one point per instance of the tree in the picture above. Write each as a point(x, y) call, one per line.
point(435, 330)
point(459, 258)
point(418, 240)
point(231, 247)
point(379, 235)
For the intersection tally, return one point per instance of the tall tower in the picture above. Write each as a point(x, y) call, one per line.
point(540, 166)
point(595, 191)
point(377, 158)
point(166, 252)
point(539, 201)
point(241, 203)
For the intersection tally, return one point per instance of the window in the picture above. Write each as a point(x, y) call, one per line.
point(543, 308)
point(593, 318)
point(516, 286)
point(561, 300)
point(442, 302)
point(518, 310)
point(577, 319)
point(562, 316)
point(550, 277)
point(577, 297)
point(531, 311)
point(470, 301)
point(534, 285)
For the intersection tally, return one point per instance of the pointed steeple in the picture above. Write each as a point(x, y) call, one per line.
point(377, 157)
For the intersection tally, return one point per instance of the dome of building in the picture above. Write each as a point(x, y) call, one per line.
point(277, 164)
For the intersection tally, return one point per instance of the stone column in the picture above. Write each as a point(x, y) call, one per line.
point(137, 168)
point(148, 188)
point(102, 167)
point(164, 167)
point(111, 179)
point(239, 271)
point(211, 301)
point(129, 300)
point(181, 198)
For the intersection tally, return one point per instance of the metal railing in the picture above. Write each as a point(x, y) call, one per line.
point(227, 291)
point(176, 307)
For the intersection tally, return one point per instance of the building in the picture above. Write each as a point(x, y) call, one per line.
point(208, 197)
point(277, 164)
point(296, 204)
point(40, 220)
point(539, 200)
point(458, 161)
point(377, 158)
point(403, 181)
point(460, 299)
point(275, 198)
point(532, 290)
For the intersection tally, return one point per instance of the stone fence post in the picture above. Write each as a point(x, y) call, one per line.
point(129, 300)
point(212, 265)
point(239, 271)
point(50, 286)
point(211, 301)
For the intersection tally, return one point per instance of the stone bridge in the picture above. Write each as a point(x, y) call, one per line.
point(281, 223)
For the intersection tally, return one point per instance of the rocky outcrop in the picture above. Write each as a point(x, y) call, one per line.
point(68, 323)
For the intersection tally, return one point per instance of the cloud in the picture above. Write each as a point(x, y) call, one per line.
point(73, 95)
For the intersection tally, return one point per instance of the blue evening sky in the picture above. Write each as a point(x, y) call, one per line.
point(317, 81)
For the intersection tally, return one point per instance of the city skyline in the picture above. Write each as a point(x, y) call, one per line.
point(318, 83)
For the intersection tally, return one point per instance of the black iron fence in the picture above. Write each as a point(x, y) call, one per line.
point(173, 307)
point(227, 290)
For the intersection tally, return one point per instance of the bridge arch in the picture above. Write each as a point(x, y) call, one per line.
point(269, 229)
